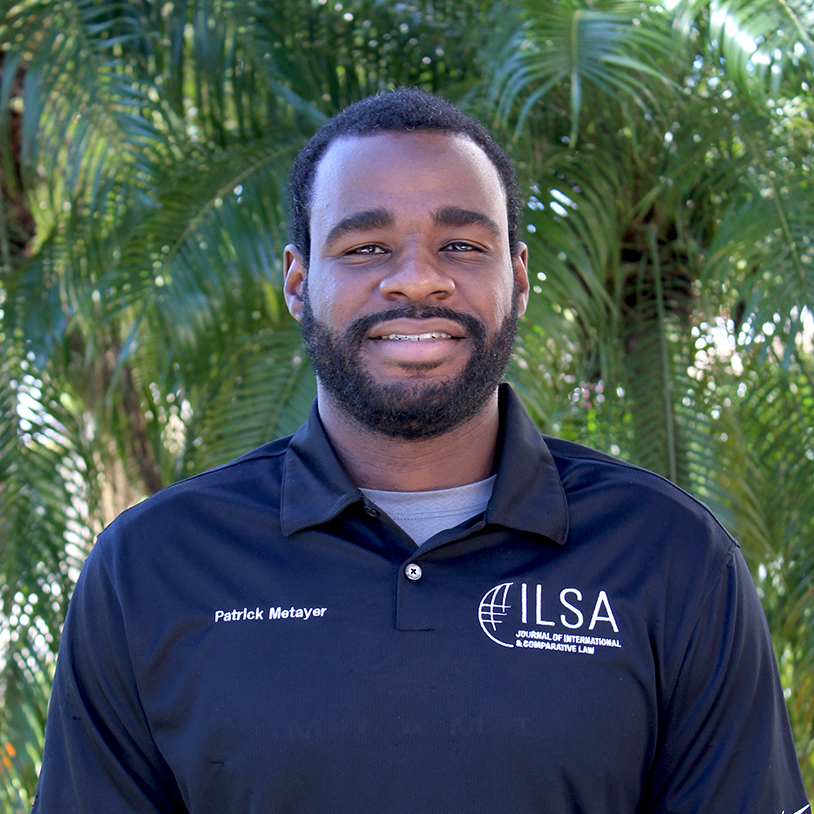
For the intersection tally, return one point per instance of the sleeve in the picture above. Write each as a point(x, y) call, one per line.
point(725, 742)
point(99, 752)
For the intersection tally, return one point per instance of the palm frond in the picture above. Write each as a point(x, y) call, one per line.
point(764, 248)
point(48, 514)
point(210, 251)
point(576, 44)
point(84, 118)
point(763, 486)
point(261, 391)
point(767, 46)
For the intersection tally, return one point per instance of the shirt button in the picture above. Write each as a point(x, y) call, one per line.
point(372, 510)
point(413, 571)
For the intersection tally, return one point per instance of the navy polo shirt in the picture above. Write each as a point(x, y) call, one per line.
point(259, 638)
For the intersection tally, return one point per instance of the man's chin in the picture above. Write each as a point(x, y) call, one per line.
point(414, 409)
point(416, 376)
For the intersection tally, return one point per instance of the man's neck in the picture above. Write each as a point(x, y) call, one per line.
point(373, 460)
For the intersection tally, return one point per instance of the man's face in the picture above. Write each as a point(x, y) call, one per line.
point(412, 297)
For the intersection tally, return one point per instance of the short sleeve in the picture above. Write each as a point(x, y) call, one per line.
point(99, 753)
point(725, 742)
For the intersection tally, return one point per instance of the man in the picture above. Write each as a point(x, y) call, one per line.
point(416, 603)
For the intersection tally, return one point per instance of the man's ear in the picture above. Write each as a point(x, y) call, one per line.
point(520, 266)
point(293, 280)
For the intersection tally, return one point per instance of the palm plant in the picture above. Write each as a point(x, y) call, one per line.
point(665, 156)
point(676, 223)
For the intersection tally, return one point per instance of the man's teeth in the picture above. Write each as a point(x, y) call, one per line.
point(417, 337)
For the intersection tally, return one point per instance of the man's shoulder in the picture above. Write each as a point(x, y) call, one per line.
point(621, 487)
point(251, 479)
point(576, 462)
point(260, 461)
point(569, 455)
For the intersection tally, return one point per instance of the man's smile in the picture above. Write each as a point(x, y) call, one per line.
point(416, 342)
point(416, 337)
point(423, 329)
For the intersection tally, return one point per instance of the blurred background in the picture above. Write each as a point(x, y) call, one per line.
point(664, 154)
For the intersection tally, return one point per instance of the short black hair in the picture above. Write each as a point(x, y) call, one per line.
point(399, 111)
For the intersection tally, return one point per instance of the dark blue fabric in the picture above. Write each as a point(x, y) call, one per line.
point(247, 641)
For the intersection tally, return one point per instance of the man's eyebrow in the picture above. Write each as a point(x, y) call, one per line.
point(455, 216)
point(369, 219)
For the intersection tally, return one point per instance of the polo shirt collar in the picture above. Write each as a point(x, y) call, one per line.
point(528, 493)
point(316, 487)
point(527, 496)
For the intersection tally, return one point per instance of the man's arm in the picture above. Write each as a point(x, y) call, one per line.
point(99, 753)
point(726, 743)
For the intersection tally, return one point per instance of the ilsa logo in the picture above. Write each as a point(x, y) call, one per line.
point(514, 615)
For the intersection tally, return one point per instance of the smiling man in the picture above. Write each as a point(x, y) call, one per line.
point(409, 300)
point(416, 603)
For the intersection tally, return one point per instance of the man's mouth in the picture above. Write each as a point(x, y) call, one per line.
point(411, 343)
point(406, 329)
point(416, 337)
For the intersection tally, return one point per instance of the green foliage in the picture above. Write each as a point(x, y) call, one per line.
point(48, 486)
point(665, 155)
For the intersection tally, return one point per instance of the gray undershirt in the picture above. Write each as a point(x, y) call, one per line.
point(424, 514)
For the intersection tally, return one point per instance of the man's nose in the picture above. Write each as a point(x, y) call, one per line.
point(416, 275)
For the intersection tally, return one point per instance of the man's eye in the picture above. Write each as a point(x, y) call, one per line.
point(460, 246)
point(368, 248)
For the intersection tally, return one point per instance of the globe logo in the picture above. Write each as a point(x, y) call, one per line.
point(536, 620)
point(492, 612)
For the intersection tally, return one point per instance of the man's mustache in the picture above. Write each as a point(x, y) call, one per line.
point(361, 327)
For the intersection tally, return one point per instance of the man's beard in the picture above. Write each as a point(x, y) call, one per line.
point(409, 409)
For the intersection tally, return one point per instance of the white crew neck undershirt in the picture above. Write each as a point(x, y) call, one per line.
point(424, 514)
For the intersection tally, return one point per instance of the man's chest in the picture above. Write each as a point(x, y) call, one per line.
point(329, 673)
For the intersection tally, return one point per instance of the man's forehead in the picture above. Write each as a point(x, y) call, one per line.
point(396, 137)
point(403, 165)
point(399, 147)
